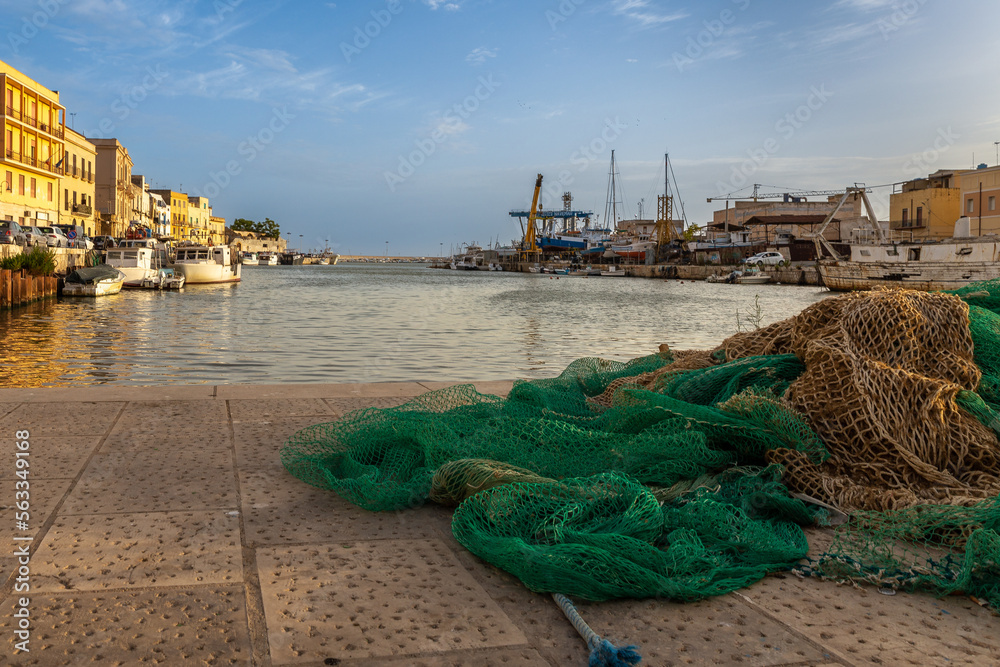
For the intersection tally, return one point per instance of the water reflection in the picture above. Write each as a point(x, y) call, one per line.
point(369, 323)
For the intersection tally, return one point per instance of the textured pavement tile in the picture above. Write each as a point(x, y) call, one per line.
point(280, 509)
point(269, 408)
point(61, 419)
point(43, 496)
point(258, 443)
point(345, 405)
point(510, 657)
point(138, 550)
point(202, 626)
point(148, 481)
point(7, 408)
point(138, 413)
point(54, 457)
point(865, 626)
point(375, 599)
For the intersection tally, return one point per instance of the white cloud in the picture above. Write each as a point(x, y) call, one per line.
point(450, 5)
point(478, 56)
point(646, 14)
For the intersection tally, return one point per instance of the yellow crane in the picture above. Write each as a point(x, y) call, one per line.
point(529, 245)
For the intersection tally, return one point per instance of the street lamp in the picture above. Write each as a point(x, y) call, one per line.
point(387, 250)
point(441, 252)
point(300, 242)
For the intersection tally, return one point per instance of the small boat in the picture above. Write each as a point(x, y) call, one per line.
point(164, 279)
point(753, 276)
point(495, 267)
point(535, 269)
point(613, 271)
point(267, 259)
point(208, 264)
point(291, 259)
point(100, 280)
point(715, 278)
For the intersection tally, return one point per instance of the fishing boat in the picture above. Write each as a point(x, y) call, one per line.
point(250, 257)
point(291, 259)
point(752, 276)
point(878, 260)
point(138, 262)
point(100, 280)
point(208, 264)
point(267, 259)
point(164, 279)
point(613, 271)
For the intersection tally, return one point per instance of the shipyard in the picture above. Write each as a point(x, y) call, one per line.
point(440, 332)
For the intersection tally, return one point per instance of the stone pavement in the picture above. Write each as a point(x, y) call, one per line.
point(166, 532)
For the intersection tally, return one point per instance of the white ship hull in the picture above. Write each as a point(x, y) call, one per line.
point(201, 265)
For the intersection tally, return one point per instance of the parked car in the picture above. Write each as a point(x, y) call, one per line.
point(74, 234)
point(765, 259)
point(12, 233)
point(56, 237)
point(86, 243)
point(104, 242)
point(34, 236)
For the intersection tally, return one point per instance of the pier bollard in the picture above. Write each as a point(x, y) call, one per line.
point(15, 281)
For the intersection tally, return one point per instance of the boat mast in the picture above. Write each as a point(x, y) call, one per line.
point(611, 207)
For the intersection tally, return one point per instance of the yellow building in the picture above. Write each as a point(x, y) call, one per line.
point(927, 208)
point(180, 228)
point(77, 183)
point(113, 186)
point(199, 213)
point(980, 190)
point(33, 146)
point(217, 230)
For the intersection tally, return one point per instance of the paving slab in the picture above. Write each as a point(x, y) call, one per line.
point(95, 552)
point(375, 599)
point(319, 390)
point(279, 509)
point(259, 443)
point(55, 457)
point(154, 480)
point(494, 387)
point(865, 626)
point(263, 409)
point(114, 393)
point(198, 626)
point(343, 406)
point(42, 497)
point(48, 419)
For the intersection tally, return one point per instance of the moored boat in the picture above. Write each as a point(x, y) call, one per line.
point(100, 280)
point(267, 259)
point(164, 279)
point(208, 264)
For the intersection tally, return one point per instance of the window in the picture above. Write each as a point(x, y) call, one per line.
point(970, 205)
point(50, 192)
point(10, 182)
point(913, 255)
point(906, 218)
point(66, 204)
point(920, 216)
point(10, 141)
point(992, 203)
point(20, 184)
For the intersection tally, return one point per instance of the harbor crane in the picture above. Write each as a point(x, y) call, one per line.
point(774, 195)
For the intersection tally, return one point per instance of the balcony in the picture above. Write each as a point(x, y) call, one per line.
point(907, 225)
point(83, 209)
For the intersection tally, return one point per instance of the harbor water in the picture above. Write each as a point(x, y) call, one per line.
point(372, 323)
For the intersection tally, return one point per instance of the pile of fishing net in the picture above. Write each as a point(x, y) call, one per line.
point(689, 474)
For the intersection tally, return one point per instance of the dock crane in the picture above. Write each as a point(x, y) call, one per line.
point(774, 195)
point(529, 245)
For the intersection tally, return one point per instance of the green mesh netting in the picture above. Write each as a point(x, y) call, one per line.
point(634, 480)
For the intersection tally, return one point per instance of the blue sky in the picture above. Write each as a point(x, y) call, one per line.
point(422, 122)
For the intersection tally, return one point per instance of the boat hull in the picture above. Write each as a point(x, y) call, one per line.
point(100, 288)
point(208, 274)
point(847, 276)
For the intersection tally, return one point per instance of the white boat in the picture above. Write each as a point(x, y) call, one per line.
point(267, 259)
point(100, 280)
point(613, 271)
point(202, 265)
point(250, 257)
point(877, 260)
point(752, 277)
point(164, 279)
point(138, 263)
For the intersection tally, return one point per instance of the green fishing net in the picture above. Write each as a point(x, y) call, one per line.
point(685, 479)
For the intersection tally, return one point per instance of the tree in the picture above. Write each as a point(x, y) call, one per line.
point(691, 232)
point(268, 228)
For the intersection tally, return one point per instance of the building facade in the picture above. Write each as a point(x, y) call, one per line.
point(113, 186)
point(161, 215)
point(33, 141)
point(177, 203)
point(927, 208)
point(77, 186)
point(217, 230)
point(980, 190)
point(199, 213)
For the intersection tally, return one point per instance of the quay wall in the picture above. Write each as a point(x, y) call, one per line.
point(67, 259)
point(19, 288)
point(788, 275)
